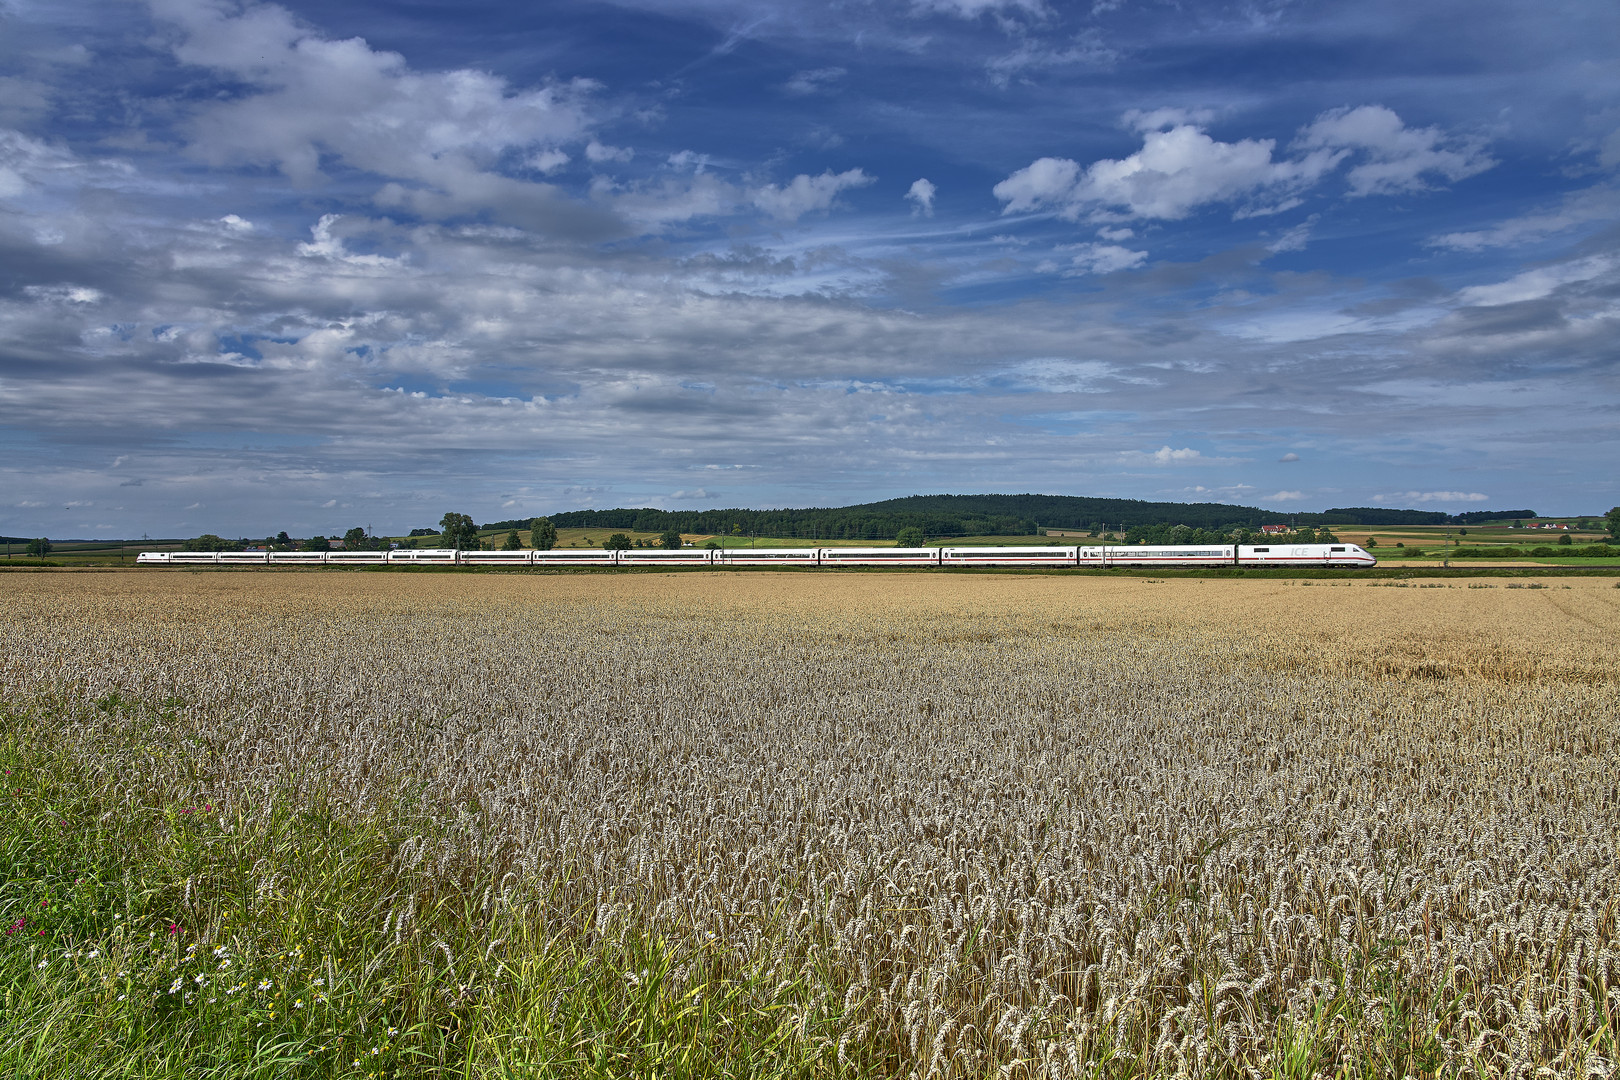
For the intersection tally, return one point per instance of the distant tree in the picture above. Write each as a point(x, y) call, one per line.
point(911, 536)
point(208, 542)
point(712, 545)
point(354, 539)
point(40, 546)
point(670, 539)
point(1611, 521)
point(616, 542)
point(283, 540)
point(1462, 532)
point(1518, 523)
point(542, 534)
point(424, 532)
point(1325, 536)
point(1180, 534)
point(514, 542)
point(1372, 542)
point(317, 543)
point(459, 531)
point(1565, 540)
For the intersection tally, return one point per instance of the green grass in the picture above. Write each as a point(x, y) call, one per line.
point(153, 936)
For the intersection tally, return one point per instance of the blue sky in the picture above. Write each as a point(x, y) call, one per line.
point(303, 266)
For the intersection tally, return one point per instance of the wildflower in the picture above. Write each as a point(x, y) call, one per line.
point(299, 1004)
point(320, 982)
point(199, 979)
point(174, 986)
point(223, 964)
point(174, 928)
point(94, 953)
point(264, 984)
point(42, 963)
point(121, 997)
point(392, 1032)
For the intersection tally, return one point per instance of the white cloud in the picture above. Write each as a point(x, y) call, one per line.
point(1164, 455)
point(1283, 496)
point(805, 193)
point(1116, 235)
point(548, 161)
point(1290, 456)
point(1103, 259)
point(1087, 50)
point(1538, 283)
point(1432, 496)
point(922, 194)
point(809, 82)
point(1180, 168)
point(436, 135)
point(972, 9)
point(1398, 158)
point(688, 159)
point(1593, 204)
point(1294, 239)
point(598, 153)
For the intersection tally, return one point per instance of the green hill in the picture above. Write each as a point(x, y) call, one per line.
point(976, 515)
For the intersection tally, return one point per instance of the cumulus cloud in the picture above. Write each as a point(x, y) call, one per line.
point(921, 194)
point(1164, 455)
point(599, 153)
point(1290, 456)
point(1432, 496)
point(1102, 258)
point(1395, 157)
point(1181, 168)
point(435, 137)
point(805, 193)
point(1283, 496)
point(548, 160)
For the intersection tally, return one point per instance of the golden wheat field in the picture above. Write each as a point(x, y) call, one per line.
point(984, 825)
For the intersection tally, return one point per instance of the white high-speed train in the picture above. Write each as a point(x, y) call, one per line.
point(1335, 555)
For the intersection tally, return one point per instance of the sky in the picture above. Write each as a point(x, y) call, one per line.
point(307, 266)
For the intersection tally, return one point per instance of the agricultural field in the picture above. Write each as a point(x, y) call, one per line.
point(776, 824)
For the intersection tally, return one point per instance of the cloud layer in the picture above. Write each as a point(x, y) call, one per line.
point(263, 268)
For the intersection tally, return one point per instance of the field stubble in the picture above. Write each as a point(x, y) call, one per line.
point(1026, 826)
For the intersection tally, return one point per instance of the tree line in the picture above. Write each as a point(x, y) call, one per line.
point(989, 515)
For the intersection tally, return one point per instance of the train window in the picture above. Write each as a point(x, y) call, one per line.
point(1336, 549)
point(1262, 549)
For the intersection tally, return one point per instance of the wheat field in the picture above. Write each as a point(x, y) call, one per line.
point(948, 826)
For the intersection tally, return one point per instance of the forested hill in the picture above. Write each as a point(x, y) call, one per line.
point(975, 515)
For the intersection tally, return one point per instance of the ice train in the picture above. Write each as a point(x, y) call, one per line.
point(1333, 555)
